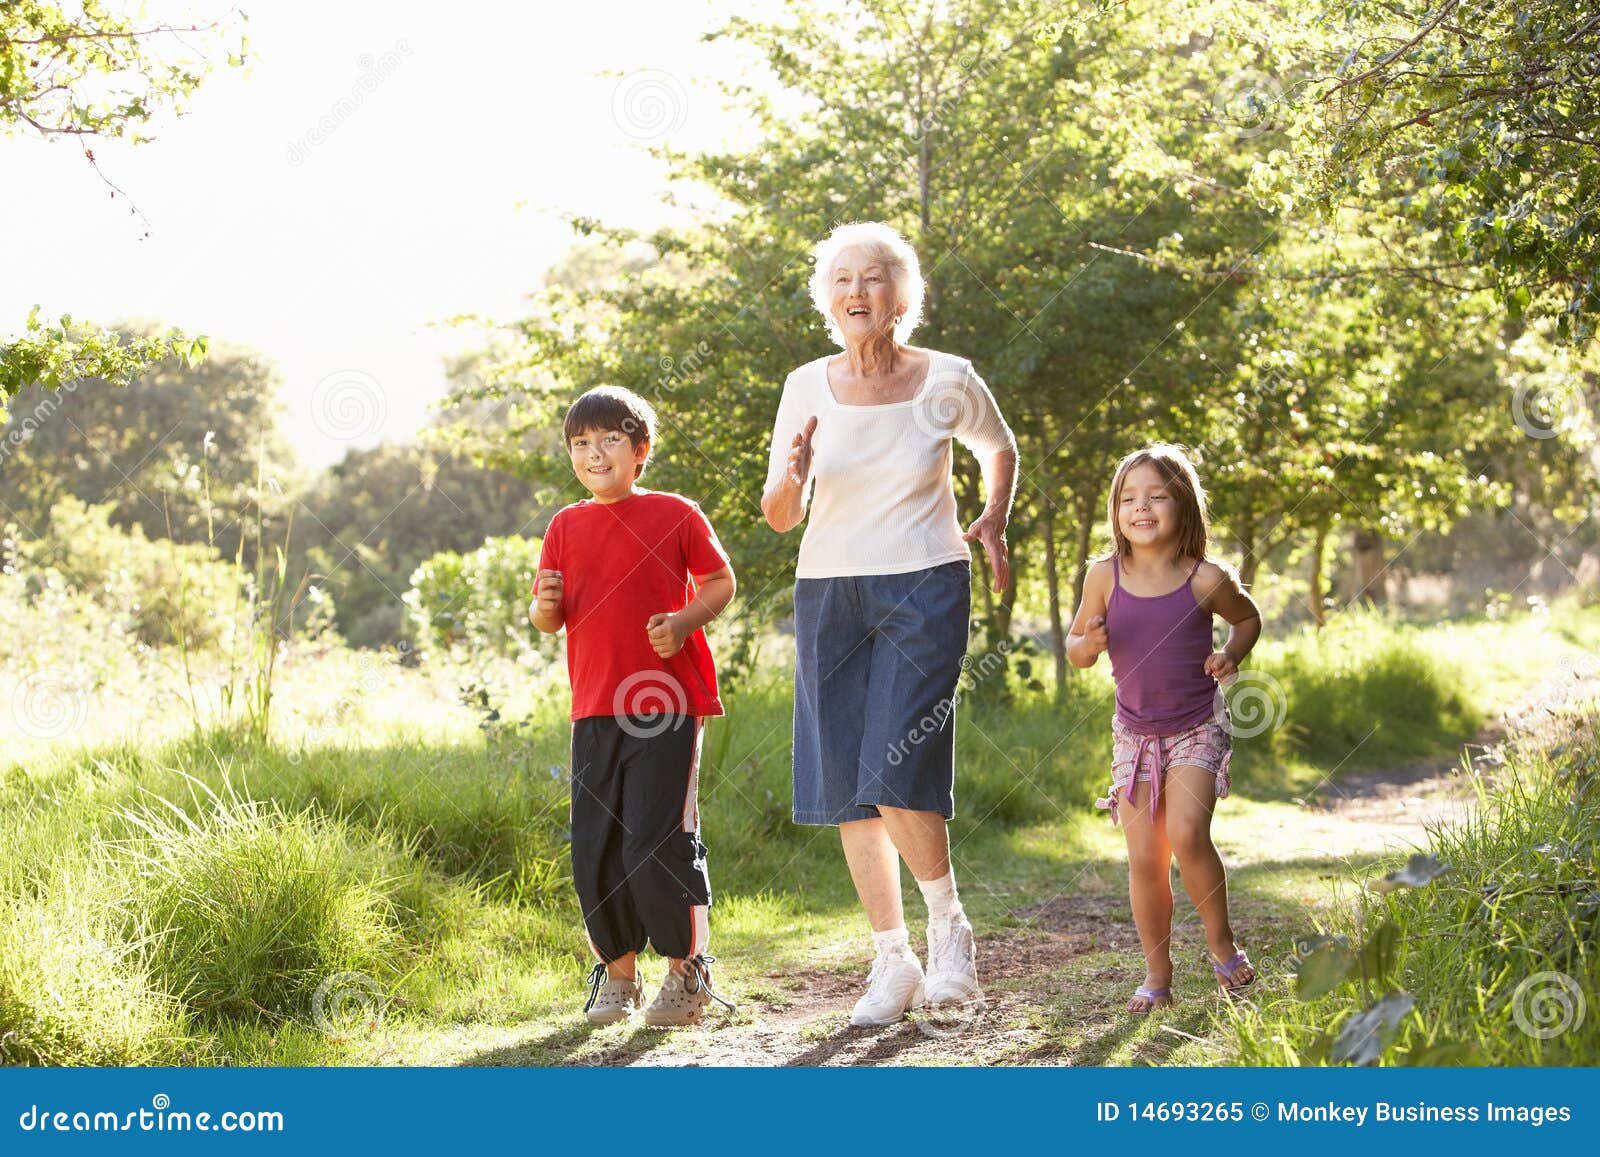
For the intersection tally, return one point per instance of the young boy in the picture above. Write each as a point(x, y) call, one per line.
point(614, 571)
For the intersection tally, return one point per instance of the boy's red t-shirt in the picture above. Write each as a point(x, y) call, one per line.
point(620, 563)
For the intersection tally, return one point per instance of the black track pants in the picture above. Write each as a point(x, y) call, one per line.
point(637, 860)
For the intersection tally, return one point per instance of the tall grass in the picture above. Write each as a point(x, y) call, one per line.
point(73, 990)
point(1501, 954)
point(252, 640)
point(248, 909)
point(1363, 692)
point(135, 930)
point(185, 903)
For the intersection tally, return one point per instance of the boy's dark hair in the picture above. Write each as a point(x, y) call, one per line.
point(613, 408)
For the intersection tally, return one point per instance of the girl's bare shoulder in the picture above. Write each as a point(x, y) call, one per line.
point(1100, 571)
point(1214, 577)
point(1098, 579)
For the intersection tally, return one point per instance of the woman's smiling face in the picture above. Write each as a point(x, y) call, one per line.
point(605, 461)
point(1146, 513)
point(865, 301)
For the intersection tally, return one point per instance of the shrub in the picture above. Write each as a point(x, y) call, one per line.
point(1365, 691)
point(247, 910)
point(1486, 949)
point(478, 601)
point(158, 592)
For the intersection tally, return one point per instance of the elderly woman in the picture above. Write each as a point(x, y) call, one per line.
point(882, 596)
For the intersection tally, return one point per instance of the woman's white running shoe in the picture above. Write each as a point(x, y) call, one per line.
point(893, 986)
point(952, 960)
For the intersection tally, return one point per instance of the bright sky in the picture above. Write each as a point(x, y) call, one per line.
point(330, 239)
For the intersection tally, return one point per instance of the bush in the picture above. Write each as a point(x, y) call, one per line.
point(247, 910)
point(158, 592)
point(1491, 956)
point(478, 601)
point(57, 627)
point(1366, 691)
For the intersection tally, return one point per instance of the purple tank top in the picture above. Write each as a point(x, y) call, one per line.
point(1158, 648)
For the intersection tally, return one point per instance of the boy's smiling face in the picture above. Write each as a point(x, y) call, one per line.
point(606, 462)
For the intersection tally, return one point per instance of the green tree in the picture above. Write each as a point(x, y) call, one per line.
point(82, 72)
point(1476, 121)
point(369, 522)
point(175, 452)
point(1078, 182)
point(1355, 402)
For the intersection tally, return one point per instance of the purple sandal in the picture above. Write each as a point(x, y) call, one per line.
point(1152, 995)
point(1225, 973)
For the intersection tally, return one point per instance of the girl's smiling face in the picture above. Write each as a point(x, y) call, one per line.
point(1146, 512)
point(606, 462)
point(865, 300)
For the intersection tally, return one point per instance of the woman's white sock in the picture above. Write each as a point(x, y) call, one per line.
point(941, 896)
point(894, 940)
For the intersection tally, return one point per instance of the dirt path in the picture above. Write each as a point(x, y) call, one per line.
point(1055, 974)
point(1054, 979)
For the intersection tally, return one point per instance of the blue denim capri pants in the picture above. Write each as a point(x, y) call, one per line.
point(877, 659)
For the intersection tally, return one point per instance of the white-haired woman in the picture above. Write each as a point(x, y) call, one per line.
point(882, 596)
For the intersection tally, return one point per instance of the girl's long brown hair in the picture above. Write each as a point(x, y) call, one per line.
point(1179, 476)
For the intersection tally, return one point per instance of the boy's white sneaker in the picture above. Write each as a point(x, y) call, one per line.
point(952, 960)
point(680, 1003)
point(612, 1000)
point(685, 996)
point(893, 986)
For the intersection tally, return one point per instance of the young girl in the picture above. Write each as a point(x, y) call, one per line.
point(1149, 603)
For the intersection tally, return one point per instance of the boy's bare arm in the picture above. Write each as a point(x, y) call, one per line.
point(713, 593)
point(667, 632)
point(542, 624)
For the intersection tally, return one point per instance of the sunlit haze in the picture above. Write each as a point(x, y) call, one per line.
point(374, 169)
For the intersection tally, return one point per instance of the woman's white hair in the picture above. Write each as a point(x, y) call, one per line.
point(885, 245)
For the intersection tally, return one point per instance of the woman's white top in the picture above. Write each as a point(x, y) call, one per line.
point(882, 501)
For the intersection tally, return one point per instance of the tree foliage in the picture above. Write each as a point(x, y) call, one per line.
point(366, 525)
point(81, 71)
point(1477, 123)
point(1078, 182)
point(175, 452)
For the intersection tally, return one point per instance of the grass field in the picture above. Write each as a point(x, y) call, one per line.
point(386, 881)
